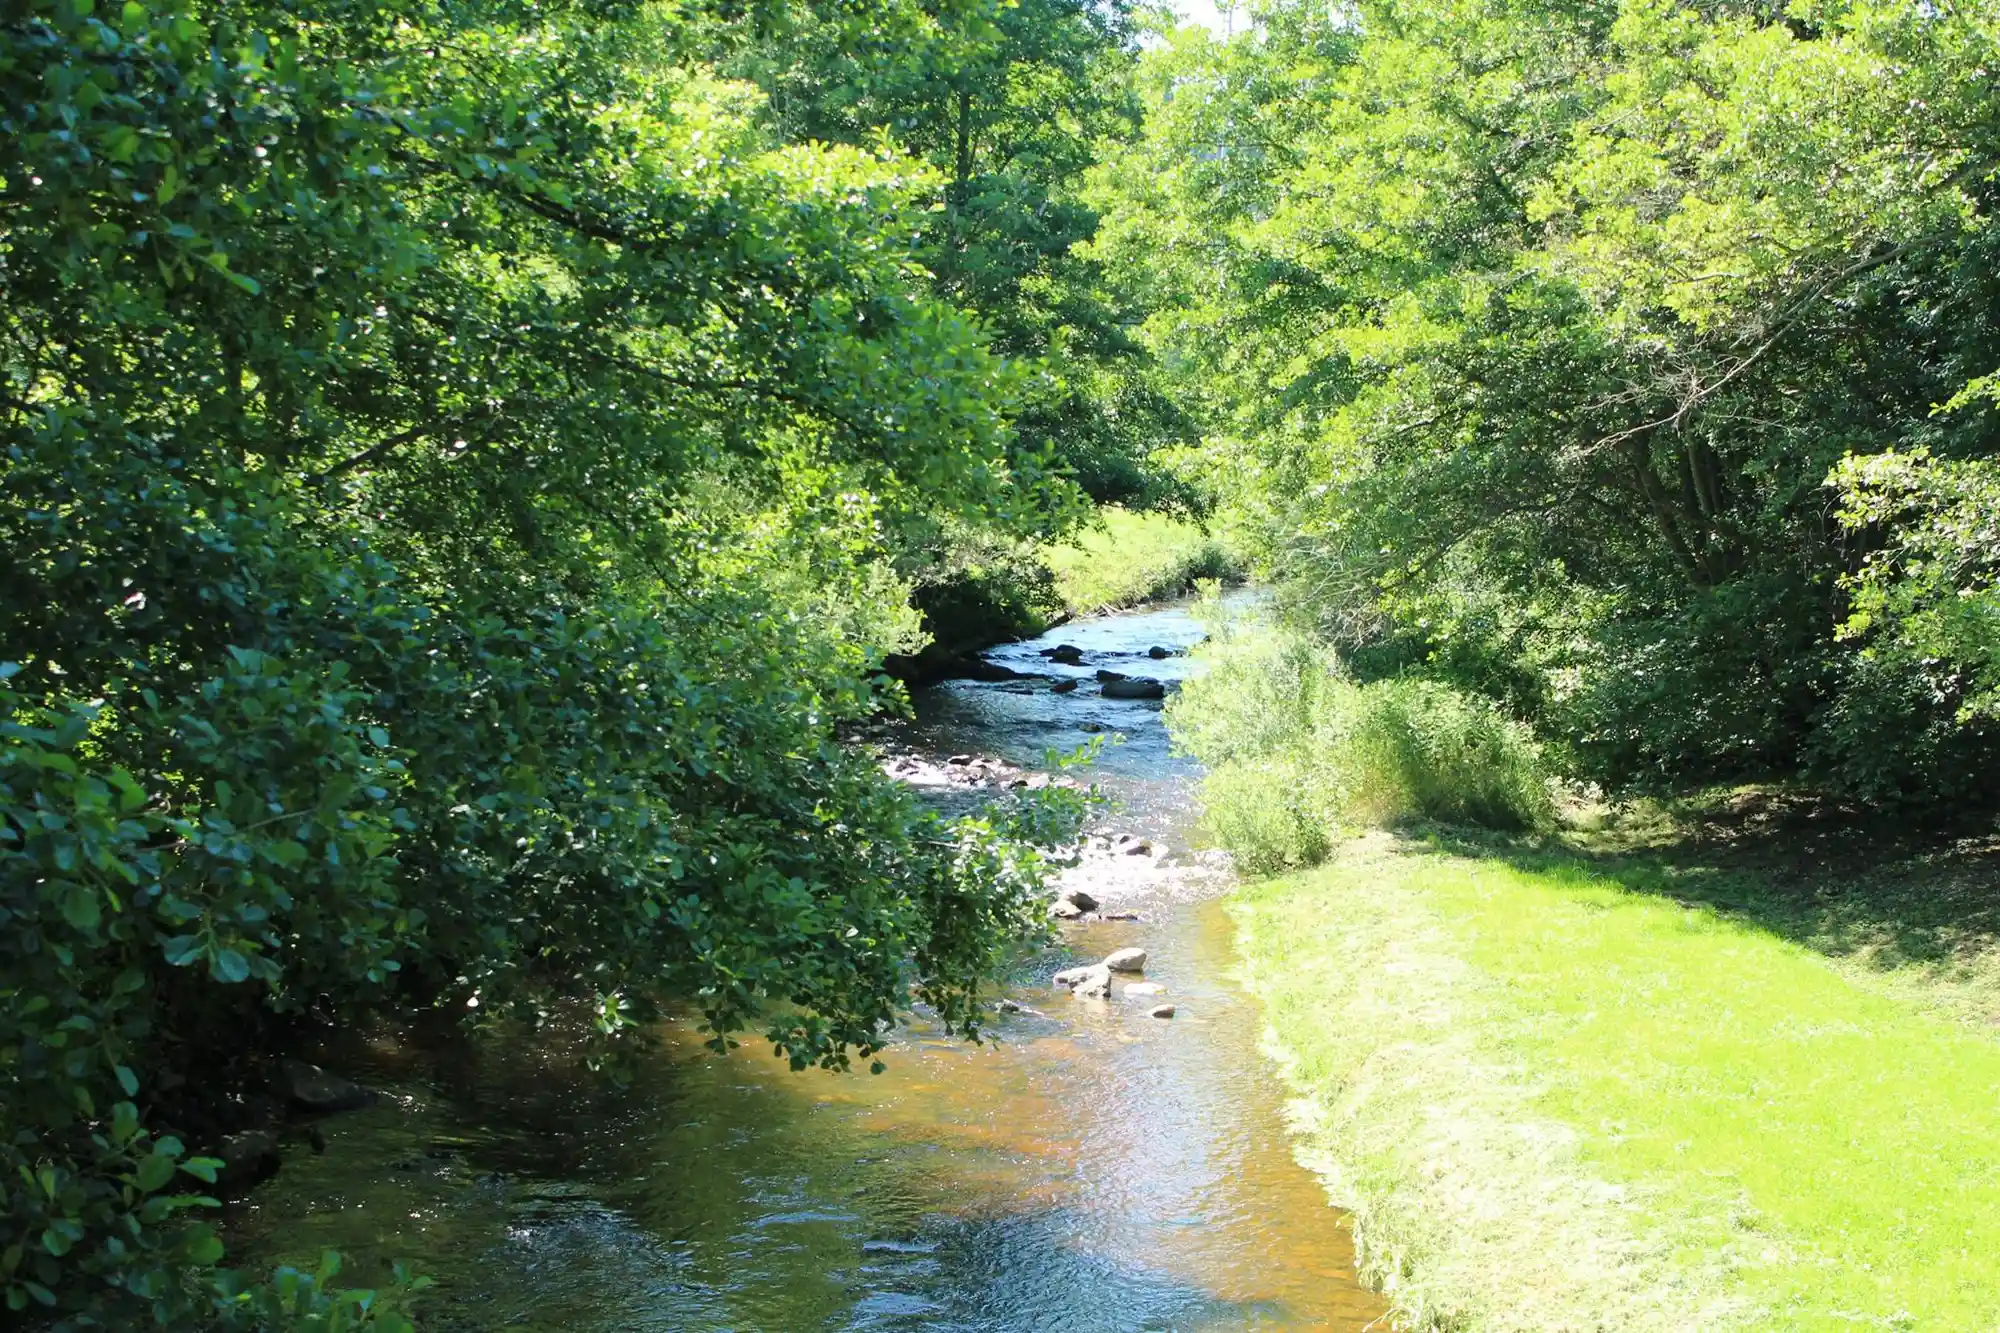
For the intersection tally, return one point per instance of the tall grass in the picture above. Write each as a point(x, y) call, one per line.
point(1134, 558)
point(1296, 749)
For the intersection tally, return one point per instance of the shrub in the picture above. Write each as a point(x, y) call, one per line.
point(1271, 813)
point(1295, 748)
point(1409, 748)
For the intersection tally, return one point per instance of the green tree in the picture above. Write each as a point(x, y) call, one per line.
point(450, 463)
point(1532, 335)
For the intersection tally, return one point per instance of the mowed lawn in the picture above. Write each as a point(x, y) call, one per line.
point(1559, 1103)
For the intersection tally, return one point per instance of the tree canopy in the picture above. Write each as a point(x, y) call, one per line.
point(1564, 350)
point(456, 462)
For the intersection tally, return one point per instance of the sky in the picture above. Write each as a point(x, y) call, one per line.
point(1204, 13)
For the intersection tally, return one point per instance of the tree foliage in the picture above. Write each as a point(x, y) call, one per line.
point(454, 457)
point(1531, 339)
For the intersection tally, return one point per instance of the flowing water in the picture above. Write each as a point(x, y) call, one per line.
point(1087, 1170)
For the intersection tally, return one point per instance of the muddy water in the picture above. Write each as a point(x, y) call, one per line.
point(1088, 1170)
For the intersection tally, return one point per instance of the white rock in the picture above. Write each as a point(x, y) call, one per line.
point(1126, 960)
point(1089, 983)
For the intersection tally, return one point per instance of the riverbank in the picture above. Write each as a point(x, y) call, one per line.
point(1135, 558)
point(1646, 1086)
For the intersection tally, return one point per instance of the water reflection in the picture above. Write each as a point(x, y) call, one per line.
point(1088, 1169)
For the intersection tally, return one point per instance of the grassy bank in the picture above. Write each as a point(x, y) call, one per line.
point(1135, 558)
point(1663, 1089)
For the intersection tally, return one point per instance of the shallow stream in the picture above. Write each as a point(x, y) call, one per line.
point(1087, 1170)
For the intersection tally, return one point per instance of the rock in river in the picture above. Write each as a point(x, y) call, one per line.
point(1084, 902)
point(1157, 653)
point(1135, 989)
point(1066, 653)
point(1160, 1011)
point(1132, 689)
point(311, 1088)
point(247, 1158)
point(1063, 687)
point(1092, 983)
point(1125, 960)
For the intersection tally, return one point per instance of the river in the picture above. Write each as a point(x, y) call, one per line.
point(1087, 1169)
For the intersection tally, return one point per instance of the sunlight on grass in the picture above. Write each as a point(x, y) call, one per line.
point(1135, 558)
point(1560, 1103)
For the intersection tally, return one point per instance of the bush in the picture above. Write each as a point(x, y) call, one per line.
point(1296, 748)
point(1414, 749)
point(1271, 814)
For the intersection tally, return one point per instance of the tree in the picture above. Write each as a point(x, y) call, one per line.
point(1535, 334)
point(448, 463)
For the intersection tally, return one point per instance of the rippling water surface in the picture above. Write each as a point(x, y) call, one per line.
point(1088, 1170)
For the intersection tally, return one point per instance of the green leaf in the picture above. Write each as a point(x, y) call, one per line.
point(155, 1170)
point(80, 907)
point(229, 966)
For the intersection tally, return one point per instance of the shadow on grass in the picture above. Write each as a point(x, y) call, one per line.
point(1882, 893)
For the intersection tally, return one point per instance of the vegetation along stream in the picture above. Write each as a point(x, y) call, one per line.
point(1090, 1168)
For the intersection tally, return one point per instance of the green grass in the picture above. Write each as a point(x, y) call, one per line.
point(1557, 1098)
point(1135, 558)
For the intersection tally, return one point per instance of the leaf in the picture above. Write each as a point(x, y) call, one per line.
point(155, 1170)
point(131, 795)
point(80, 907)
point(286, 853)
point(229, 966)
point(127, 1080)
